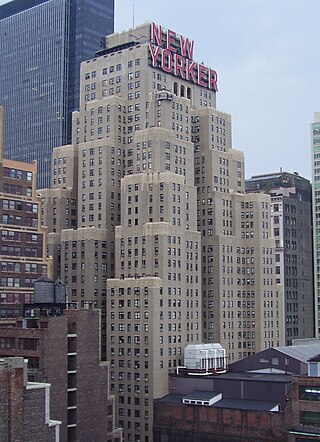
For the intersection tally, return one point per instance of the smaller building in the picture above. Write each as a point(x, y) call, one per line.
point(24, 406)
point(291, 224)
point(232, 407)
point(268, 397)
point(292, 359)
point(305, 397)
point(23, 240)
point(62, 347)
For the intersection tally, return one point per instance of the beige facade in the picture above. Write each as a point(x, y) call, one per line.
point(315, 150)
point(154, 304)
point(242, 303)
point(190, 256)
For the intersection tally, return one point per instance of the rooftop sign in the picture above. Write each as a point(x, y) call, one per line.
point(173, 53)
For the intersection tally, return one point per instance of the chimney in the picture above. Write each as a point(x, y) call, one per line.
point(1, 132)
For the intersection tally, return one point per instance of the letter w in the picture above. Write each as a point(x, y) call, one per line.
point(187, 47)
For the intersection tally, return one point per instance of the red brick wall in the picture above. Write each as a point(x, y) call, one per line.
point(22, 411)
point(34, 425)
point(187, 423)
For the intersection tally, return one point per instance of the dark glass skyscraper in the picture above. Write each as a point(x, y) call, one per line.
point(41, 46)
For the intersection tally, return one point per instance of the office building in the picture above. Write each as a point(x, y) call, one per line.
point(42, 44)
point(25, 413)
point(188, 256)
point(23, 240)
point(62, 347)
point(291, 223)
point(315, 151)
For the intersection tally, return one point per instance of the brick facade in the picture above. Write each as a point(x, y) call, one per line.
point(305, 409)
point(24, 407)
point(65, 352)
point(186, 423)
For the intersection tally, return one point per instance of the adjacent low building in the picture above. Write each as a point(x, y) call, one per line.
point(292, 359)
point(62, 347)
point(249, 404)
point(305, 396)
point(23, 246)
point(291, 224)
point(24, 406)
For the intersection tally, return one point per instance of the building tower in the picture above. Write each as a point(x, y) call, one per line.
point(315, 149)
point(162, 213)
point(242, 303)
point(42, 44)
point(291, 222)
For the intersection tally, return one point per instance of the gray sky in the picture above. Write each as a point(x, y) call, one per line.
point(266, 54)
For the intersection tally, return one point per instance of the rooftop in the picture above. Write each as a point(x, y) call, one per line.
point(241, 376)
point(238, 404)
point(302, 353)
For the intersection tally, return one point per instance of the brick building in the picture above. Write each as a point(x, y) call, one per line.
point(22, 237)
point(189, 423)
point(63, 349)
point(305, 395)
point(24, 406)
point(275, 400)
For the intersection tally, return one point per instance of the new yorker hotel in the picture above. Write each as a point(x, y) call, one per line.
point(157, 177)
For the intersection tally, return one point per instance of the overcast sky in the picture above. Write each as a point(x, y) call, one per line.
point(266, 53)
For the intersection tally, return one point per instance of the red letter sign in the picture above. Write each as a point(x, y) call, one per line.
point(156, 34)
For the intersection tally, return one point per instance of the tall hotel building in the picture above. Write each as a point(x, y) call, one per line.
point(315, 149)
point(161, 213)
point(42, 43)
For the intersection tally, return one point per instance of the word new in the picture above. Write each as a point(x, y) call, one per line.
point(174, 54)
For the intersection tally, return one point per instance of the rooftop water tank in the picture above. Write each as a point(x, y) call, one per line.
point(44, 290)
point(60, 292)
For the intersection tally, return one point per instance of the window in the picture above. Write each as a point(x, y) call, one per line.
point(310, 418)
point(309, 393)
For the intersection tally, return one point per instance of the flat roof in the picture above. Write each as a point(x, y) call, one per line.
point(237, 404)
point(240, 404)
point(16, 6)
point(241, 376)
point(200, 395)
